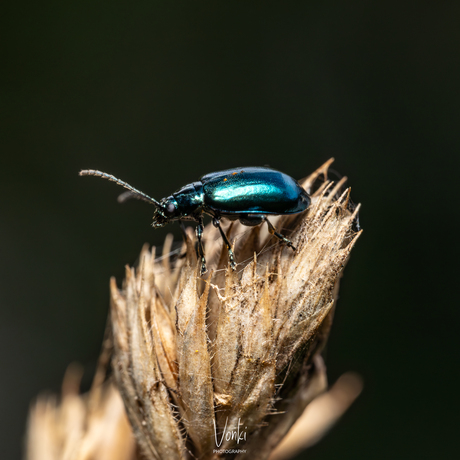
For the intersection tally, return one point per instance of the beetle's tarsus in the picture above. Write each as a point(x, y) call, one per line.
point(231, 259)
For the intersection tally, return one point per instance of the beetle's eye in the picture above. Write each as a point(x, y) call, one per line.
point(170, 209)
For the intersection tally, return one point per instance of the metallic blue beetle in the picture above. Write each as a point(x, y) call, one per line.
point(244, 194)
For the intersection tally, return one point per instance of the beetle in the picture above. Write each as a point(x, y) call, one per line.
point(246, 194)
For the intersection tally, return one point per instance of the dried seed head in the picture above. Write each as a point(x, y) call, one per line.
point(231, 361)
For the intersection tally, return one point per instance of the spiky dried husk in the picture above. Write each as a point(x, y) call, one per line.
point(195, 356)
point(76, 427)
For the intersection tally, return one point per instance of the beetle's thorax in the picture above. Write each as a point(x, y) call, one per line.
point(186, 204)
point(189, 199)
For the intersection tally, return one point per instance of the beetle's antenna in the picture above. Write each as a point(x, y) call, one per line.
point(103, 175)
point(125, 196)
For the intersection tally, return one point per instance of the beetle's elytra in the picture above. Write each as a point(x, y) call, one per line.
point(246, 194)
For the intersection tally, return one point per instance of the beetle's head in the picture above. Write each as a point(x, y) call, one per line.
point(166, 212)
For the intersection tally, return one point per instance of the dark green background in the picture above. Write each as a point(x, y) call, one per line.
point(165, 91)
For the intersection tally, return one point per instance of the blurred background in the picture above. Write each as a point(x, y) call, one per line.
point(159, 93)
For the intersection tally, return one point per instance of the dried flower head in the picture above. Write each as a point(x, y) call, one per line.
point(224, 365)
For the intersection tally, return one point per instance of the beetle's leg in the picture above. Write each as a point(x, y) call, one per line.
point(199, 234)
point(216, 223)
point(182, 228)
point(273, 231)
point(184, 235)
